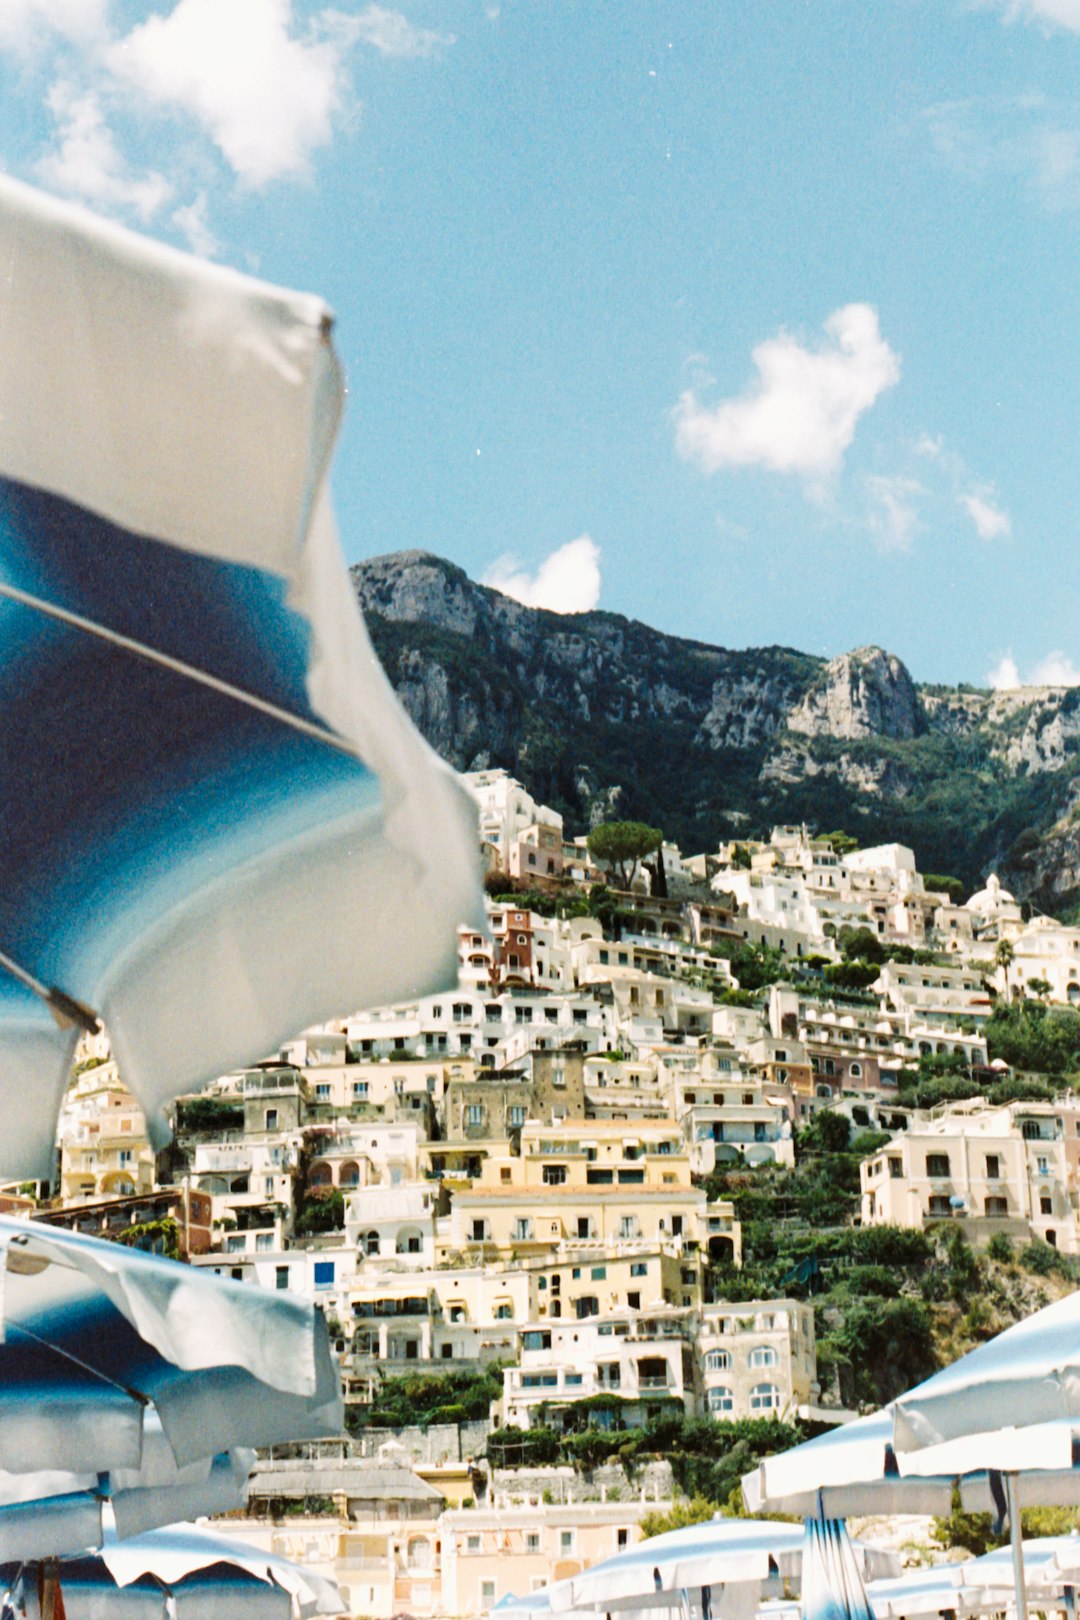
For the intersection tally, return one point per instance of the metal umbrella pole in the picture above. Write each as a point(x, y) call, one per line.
point(1016, 1542)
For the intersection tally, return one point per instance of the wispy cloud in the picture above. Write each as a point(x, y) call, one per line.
point(991, 522)
point(392, 34)
point(567, 581)
point(86, 162)
point(1056, 669)
point(894, 511)
point(1056, 13)
point(800, 413)
point(954, 481)
point(1031, 139)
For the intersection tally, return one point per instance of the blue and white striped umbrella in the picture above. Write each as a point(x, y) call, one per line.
point(129, 1377)
point(180, 1573)
point(217, 825)
point(706, 1560)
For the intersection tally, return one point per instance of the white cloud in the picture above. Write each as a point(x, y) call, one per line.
point(391, 34)
point(1056, 669)
point(894, 515)
point(265, 96)
point(191, 221)
point(87, 164)
point(568, 581)
point(991, 522)
point(23, 23)
point(800, 415)
point(1004, 676)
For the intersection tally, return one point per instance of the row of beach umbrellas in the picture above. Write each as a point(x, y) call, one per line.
point(743, 1560)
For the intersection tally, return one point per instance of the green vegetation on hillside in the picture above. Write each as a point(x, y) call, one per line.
point(427, 1398)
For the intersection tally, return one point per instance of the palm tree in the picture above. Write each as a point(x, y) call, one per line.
point(1003, 956)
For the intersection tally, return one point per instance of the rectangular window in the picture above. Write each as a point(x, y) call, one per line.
point(600, 1178)
point(598, 1273)
point(324, 1273)
point(474, 1113)
point(631, 1178)
point(993, 1167)
point(360, 1088)
point(518, 1115)
point(532, 1542)
point(937, 1165)
point(322, 1092)
point(281, 1276)
point(639, 1268)
point(554, 1175)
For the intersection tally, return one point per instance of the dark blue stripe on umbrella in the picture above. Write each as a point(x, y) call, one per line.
point(128, 786)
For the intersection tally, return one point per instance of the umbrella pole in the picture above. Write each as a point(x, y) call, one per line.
point(1016, 1541)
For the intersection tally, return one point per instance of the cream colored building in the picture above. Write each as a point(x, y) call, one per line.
point(600, 1181)
point(727, 1361)
point(996, 1169)
point(104, 1149)
point(488, 1552)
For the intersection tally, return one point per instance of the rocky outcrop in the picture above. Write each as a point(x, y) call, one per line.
point(602, 716)
point(866, 693)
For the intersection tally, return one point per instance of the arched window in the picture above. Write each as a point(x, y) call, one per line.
point(764, 1398)
point(721, 1400)
point(763, 1355)
point(718, 1361)
point(371, 1243)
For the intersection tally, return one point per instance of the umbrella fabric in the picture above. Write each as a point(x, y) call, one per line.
point(832, 1588)
point(127, 1377)
point(720, 1553)
point(45, 1515)
point(184, 1572)
point(934, 1591)
point(219, 827)
point(1050, 1562)
point(1030, 1374)
point(848, 1471)
point(93, 1332)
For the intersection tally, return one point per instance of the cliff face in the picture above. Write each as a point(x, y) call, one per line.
point(601, 715)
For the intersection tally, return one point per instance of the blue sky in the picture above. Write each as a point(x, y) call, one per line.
point(758, 320)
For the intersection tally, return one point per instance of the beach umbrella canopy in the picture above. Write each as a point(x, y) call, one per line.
point(937, 1590)
point(1005, 1405)
point(1001, 1424)
point(218, 825)
point(1050, 1564)
point(124, 1375)
point(179, 1573)
point(719, 1553)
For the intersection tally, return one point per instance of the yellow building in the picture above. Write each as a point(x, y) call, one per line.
point(597, 1182)
point(104, 1149)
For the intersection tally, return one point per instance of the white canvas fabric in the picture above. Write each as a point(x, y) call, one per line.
point(1030, 1374)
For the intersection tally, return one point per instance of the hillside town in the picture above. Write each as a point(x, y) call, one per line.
point(525, 1207)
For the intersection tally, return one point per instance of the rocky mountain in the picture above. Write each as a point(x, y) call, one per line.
point(602, 715)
